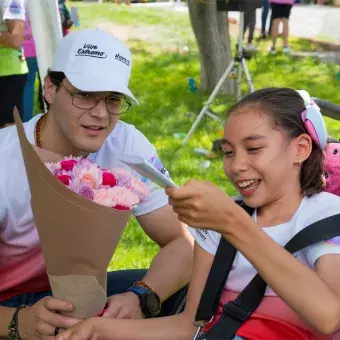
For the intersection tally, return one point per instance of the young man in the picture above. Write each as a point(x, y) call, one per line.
point(87, 90)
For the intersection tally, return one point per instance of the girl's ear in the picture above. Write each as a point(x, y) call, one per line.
point(303, 147)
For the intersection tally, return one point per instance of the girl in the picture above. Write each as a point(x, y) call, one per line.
point(275, 161)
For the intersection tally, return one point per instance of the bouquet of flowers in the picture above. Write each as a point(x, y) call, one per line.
point(114, 188)
point(80, 212)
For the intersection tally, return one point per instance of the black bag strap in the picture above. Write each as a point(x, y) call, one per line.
point(218, 275)
point(235, 313)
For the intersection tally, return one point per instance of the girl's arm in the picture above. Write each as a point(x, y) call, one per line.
point(314, 295)
point(179, 327)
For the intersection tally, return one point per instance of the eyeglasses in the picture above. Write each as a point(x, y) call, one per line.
point(115, 104)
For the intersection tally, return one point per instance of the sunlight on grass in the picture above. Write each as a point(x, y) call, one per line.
point(160, 82)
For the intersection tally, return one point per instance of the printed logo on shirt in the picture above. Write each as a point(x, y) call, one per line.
point(157, 163)
point(15, 7)
point(202, 234)
point(334, 241)
point(89, 50)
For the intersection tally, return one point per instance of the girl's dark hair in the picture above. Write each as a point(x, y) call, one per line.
point(284, 106)
point(56, 79)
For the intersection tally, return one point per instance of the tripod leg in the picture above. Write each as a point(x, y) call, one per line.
point(209, 102)
point(239, 58)
point(248, 76)
point(239, 82)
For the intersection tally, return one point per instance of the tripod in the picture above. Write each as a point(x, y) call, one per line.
point(240, 63)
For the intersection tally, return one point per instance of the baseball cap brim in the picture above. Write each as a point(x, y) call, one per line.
point(97, 83)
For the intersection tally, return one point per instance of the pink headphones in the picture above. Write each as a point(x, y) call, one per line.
point(313, 120)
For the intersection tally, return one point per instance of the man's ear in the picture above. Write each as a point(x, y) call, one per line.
point(303, 146)
point(49, 90)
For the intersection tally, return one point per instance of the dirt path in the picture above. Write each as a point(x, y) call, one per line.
point(133, 32)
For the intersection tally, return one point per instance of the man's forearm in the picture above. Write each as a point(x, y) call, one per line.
point(171, 268)
point(10, 40)
point(6, 315)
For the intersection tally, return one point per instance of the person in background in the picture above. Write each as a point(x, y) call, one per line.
point(281, 10)
point(265, 13)
point(13, 66)
point(65, 17)
point(249, 24)
point(31, 59)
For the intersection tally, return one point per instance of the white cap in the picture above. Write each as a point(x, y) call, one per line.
point(94, 61)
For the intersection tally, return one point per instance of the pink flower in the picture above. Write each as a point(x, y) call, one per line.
point(86, 192)
point(124, 197)
point(104, 197)
point(64, 179)
point(84, 163)
point(123, 176)
point(108, 179)
point(68, 164)
point(91, 176)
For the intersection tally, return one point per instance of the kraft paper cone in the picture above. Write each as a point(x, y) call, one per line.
point(78, 237)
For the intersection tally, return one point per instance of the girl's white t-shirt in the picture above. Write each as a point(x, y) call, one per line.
point(311, 209)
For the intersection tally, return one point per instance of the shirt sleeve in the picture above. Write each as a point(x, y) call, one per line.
point(332, 246)
point(313, 253)
point(206, 239)
point(157, 197)
point(13, 10)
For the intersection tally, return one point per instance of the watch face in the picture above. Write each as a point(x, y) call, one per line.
point(152, 303)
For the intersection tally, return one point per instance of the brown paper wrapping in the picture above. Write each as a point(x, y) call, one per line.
point(78, 237)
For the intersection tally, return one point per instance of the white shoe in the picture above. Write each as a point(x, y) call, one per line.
point(286, 50)
point(250, 48)
point(272, 50)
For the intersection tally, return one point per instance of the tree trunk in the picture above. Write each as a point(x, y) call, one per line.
point(212, 35)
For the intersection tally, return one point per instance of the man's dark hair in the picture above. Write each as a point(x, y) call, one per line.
point(56, 79)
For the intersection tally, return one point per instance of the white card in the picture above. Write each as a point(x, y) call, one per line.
point(144, 168)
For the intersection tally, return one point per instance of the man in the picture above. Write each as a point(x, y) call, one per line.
point(86, 91)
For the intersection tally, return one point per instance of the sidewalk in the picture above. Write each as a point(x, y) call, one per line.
point(307, 21)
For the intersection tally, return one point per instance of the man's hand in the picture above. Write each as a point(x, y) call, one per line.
point(124, 306)
point(40, 320)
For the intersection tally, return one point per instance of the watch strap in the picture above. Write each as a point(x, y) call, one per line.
point(138, 290)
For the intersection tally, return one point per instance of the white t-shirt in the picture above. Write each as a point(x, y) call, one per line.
point(312, 209)
point(20, 254)
point(11, 10)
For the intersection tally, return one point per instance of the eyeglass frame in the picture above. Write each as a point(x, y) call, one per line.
point(72, 94)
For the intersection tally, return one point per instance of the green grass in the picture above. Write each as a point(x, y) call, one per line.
point(160, 82)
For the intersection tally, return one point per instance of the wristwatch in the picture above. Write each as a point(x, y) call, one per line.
point(150, 302)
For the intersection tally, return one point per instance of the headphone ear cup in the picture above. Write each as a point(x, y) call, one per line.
point(315, 125)
point(310, 128)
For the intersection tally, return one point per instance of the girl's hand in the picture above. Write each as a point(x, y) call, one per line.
point(201, 204)
point(85, 330)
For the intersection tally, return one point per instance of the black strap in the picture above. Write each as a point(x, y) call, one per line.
point(235, 313)
point(218, 275)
